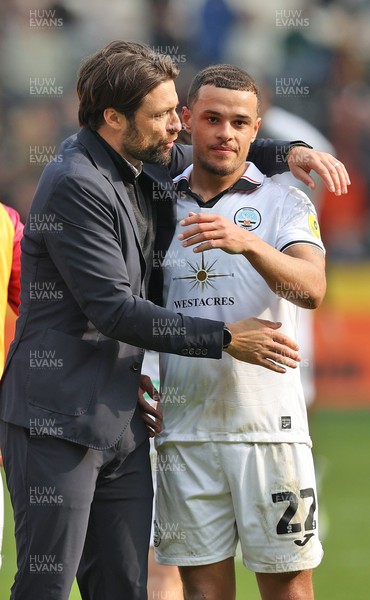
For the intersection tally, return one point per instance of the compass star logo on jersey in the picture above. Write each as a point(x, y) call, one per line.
point(202, 274)
point(248, 218)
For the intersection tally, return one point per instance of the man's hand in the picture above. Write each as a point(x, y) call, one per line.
point(258, 342)
point(333, 173)
point(151, 416)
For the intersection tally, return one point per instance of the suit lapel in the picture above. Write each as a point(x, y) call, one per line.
point(107, 168)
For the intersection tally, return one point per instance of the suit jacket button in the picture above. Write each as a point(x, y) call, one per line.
point(185, 351)
point(204, 352)
point(136, 366)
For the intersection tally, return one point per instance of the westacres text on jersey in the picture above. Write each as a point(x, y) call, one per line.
point(211, 301)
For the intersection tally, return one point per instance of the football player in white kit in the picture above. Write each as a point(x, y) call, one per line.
point(235, 437)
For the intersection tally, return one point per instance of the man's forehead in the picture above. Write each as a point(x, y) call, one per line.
point(162, 96)
point(208, 92)
point(225, 101)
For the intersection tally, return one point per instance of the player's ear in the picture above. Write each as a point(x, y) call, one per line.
point(114, 119)
point(186, 119)
point(256, 128)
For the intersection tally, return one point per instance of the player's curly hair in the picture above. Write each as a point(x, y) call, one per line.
point(119, 76)
point(223, 76)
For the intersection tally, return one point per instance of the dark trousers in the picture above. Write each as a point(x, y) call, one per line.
point(79, 511)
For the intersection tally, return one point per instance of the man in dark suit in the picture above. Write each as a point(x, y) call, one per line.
point(75, 446)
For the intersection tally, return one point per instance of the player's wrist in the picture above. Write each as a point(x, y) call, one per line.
point(298, 155)
point(296, 144)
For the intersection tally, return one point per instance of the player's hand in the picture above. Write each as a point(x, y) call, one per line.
point(150, 415)
point(1, 459)
point(258, 342)
point(333, 173)
point(214, 231)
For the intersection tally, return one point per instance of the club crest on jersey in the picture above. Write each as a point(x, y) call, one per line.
point(249, 218)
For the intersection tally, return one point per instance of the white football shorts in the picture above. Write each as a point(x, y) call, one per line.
point(212, 494)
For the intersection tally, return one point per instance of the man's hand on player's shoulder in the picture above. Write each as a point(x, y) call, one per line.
point(302, 160)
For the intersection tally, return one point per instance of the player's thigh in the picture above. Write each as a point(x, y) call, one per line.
point(280, 586)
point(274, 496)
point(213, 582)
point(163, 580)
point(195, 523)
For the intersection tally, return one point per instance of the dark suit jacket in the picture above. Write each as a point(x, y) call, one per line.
point(73, 369)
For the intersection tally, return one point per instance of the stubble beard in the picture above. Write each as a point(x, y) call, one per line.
point(134, 145)
point(215, 169)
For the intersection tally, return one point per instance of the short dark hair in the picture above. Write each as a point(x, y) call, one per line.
point(223, 76)
point(119, 76)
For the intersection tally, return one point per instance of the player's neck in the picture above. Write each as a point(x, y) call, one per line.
point(208, 185)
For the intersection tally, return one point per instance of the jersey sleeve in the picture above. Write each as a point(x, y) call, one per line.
point(298, 223)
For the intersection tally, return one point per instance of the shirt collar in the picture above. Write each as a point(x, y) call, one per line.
point(126, 169)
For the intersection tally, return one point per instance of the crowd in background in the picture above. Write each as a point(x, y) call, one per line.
point(311, 58)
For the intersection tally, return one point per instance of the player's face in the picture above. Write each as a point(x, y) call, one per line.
point(150, 135)
point(223, 123)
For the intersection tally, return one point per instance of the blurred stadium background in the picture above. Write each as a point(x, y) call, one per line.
point(312, 58)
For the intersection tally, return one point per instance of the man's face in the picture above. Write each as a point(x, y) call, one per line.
point(223, 123)
point(149, 136)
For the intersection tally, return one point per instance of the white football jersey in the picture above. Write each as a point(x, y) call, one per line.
point(226, 399)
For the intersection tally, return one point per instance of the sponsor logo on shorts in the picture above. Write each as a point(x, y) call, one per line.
point(170, 531)
point(306, 538)
point(286, 422)
point(156, 535)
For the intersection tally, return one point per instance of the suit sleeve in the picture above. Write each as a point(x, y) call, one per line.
point(88, 255)
point(181, 157)
point(270, 156)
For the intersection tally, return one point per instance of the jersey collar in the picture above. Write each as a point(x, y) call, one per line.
point(251, 180)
